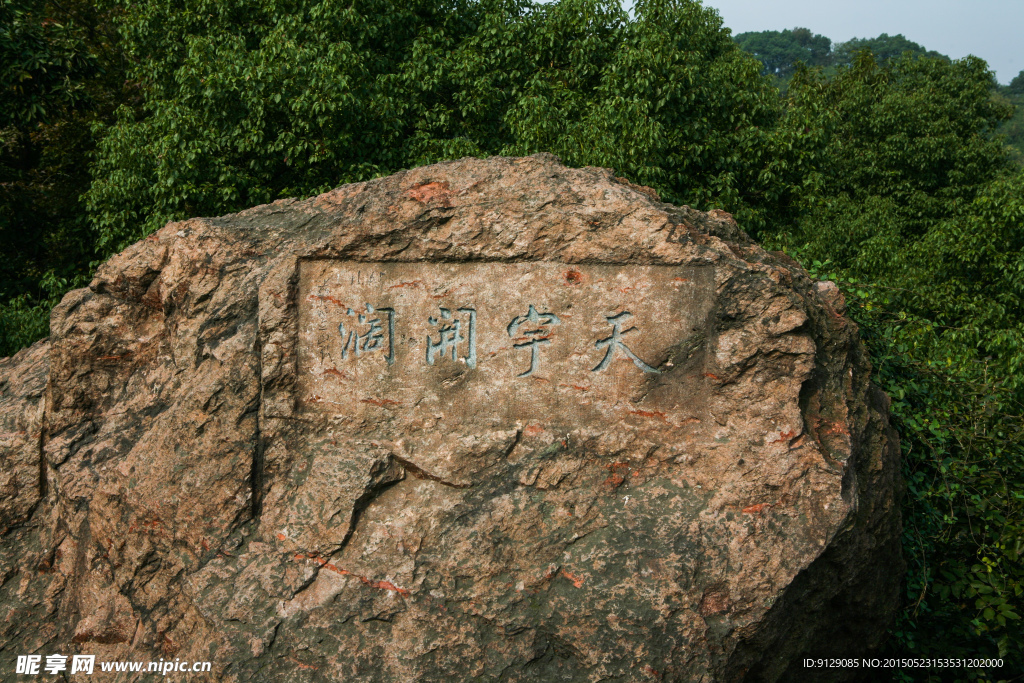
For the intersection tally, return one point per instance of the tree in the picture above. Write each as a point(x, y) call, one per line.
point(43, 64)
point(780, 51)
point(910, 153)
point(1013, 129)
point(917, 210)
point(59, 73)
point(246, 103)
point(912, 140)
point(1016, 86)
point(885, 48)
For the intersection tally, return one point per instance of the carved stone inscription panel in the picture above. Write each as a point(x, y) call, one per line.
point(497, 342)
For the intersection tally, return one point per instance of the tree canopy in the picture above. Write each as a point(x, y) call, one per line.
point(60, 73)
point(885, 49)
point(304, 96)
point(1016, 86)
point(42, 64)
point(780, 51)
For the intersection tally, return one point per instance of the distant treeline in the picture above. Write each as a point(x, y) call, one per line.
point(782, 52)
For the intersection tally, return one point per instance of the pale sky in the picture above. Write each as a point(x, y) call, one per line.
point(990, 29)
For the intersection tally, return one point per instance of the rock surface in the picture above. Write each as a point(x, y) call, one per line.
point(224, 453)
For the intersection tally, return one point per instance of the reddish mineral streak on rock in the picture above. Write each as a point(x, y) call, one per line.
point(381, 402)
point(300, 665)
point(446, 293)
point(833, 428)
point(336, 372)
point(329, 299)
point(650, 671)
point(381, 585)
point(185, 450)
point(576, 580)
point(715, 602)
point(428, 192)
point(494, 353)
point(414, 283)
point(151, 525)
point(783, 436)
point(615, 479)
point(656, 414)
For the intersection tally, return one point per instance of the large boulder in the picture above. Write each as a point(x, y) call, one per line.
point(487, 419)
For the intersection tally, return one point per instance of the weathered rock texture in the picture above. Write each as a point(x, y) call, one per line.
point(195, 468)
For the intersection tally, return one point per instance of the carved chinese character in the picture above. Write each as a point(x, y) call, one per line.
point(450, 336)
point(359, 342)
point(614, 343)
point(538, 334)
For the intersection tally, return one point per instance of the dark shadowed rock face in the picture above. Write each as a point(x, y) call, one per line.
point(480, 420)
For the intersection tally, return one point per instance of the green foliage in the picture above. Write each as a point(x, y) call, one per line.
point(1013, 129)
point(966, 273)
point(302, 96)
point(916, 213)
point(59, 74)
point(783, 52)
point(885, 49)
point(961, 429)
point(911, 195)
point(42, 64)
point(23, 322)
point(908, 145)
point(25, 319)
point(780, 51)
point(1016, 86)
